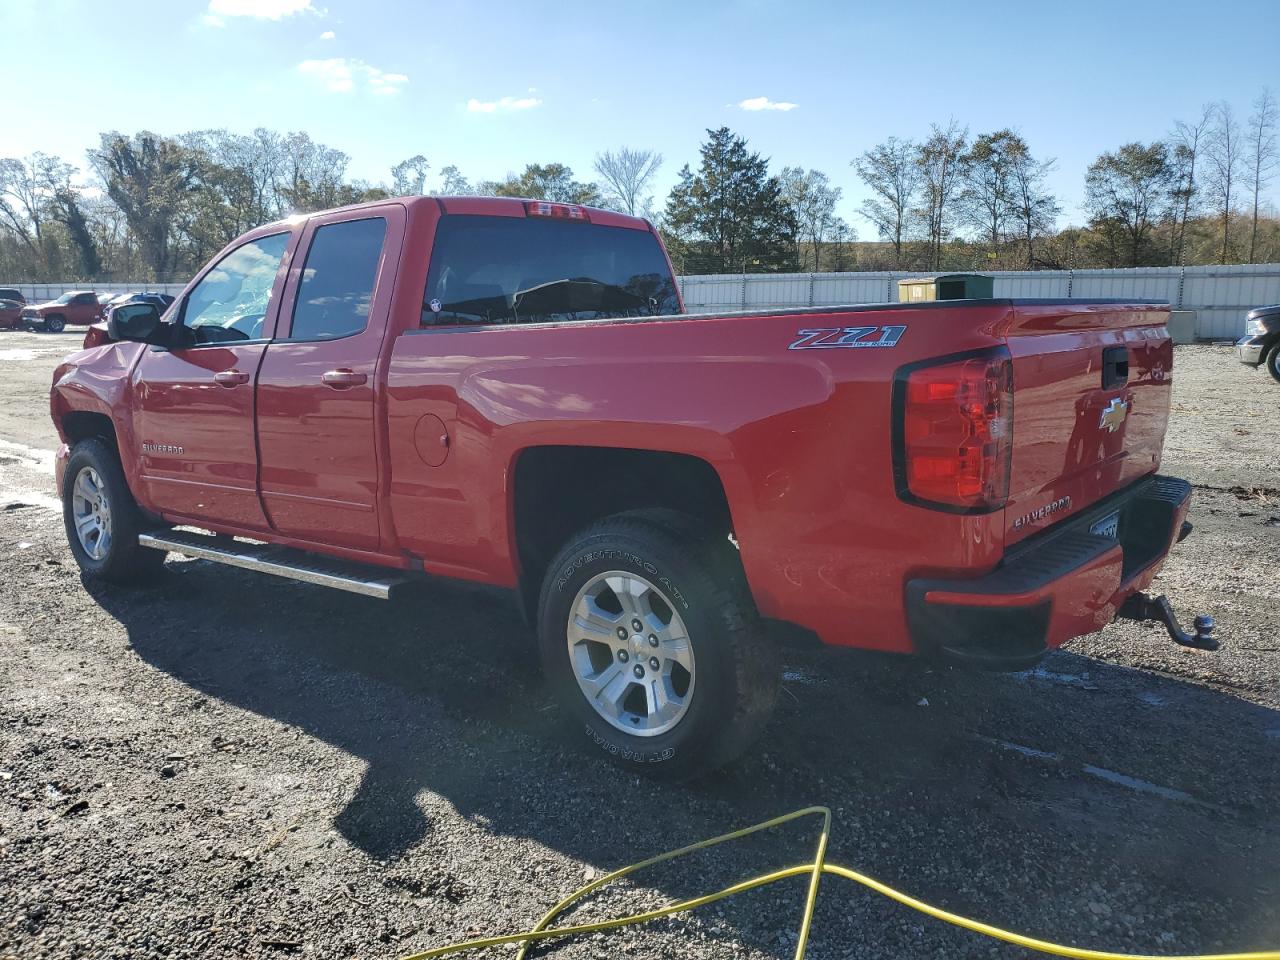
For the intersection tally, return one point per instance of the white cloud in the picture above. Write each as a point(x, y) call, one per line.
point(327, 35)
point(340, 75)
point(764, 103)
point(503, 105)
point(260, 9)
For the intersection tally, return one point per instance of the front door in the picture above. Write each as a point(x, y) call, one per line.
point(195, 403)
point(318, 383)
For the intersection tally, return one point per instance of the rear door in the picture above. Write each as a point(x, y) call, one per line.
point(318, 384)
point(194, 404)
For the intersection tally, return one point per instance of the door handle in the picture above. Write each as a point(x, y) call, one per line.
point(343, 377)
point(230, 378)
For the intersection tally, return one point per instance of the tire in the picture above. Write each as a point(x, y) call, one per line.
point(96, 497)
point(1272, 362)
point(54, 324)
point(705, 701)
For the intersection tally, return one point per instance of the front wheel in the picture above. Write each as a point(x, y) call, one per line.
point(653, 646)
point(1273, 362)
point(101, 518)
point(54, 324)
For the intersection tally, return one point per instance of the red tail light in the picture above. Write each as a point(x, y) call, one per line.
point(556, 211)
point(954, 432)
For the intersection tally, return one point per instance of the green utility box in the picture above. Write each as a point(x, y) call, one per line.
point(948, 286)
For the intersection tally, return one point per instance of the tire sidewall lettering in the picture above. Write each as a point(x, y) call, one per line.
point(593, 556)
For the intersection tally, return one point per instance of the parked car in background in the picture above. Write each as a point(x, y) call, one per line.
point(161, 301)
point(1261, 341)
point(10, 314)
point(76, 306)
point(14, 294)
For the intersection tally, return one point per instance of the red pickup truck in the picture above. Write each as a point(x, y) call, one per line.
point(509, 392)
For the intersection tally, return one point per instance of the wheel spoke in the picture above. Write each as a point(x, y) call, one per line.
point(609, 688)
point(85, 525)
point(629, 592)
point(656, 700)
point(592, 620)
point(678, 651)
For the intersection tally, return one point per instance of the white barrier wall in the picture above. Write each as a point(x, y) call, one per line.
point(1219, 295)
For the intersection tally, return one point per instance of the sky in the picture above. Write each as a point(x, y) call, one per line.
point(491, 86)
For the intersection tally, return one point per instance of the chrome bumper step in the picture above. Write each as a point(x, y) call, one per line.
point(278, 561)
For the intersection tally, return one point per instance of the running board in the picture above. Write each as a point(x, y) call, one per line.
point(278, 561)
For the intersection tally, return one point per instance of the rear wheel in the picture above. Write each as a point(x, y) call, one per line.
point(653, 645)
point(55, 323)
point(101, 518)
point(1273, 361)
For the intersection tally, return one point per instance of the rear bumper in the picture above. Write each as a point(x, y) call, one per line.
point(1064, 583)
point(1249, 350)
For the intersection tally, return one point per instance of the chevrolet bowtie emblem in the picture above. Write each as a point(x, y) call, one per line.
point(1113, 415)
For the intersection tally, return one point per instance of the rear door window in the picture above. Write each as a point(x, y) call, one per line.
point(336, 289)
point(498, 270)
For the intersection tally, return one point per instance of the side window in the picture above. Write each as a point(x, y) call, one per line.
point(230, 303)
point(85, 299)
point(336, 290)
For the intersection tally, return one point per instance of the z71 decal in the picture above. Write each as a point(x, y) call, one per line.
point(831, 338)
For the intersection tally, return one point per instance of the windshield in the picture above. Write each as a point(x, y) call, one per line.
point(65, 298)
point(530, 270)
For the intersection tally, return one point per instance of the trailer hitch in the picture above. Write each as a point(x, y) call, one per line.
point(1142, 607)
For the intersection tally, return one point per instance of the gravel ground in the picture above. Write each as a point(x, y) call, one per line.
point(228, 765)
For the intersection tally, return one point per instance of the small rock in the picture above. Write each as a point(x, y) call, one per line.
point(168, 770)
point(922, 702)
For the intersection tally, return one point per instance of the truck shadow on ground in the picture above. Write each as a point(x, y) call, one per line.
point(947, 781)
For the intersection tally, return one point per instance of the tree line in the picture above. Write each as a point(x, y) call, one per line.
point(157, 207)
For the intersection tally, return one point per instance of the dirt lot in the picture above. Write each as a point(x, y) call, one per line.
point(226, 765)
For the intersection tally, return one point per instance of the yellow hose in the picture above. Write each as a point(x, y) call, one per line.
point(815, 869)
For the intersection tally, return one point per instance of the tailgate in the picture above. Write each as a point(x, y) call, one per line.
point(1092, 385)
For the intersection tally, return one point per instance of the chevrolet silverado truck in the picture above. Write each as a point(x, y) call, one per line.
point(510, 392)
point(75, 306)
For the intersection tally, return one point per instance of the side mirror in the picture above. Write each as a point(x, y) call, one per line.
point(134, 321)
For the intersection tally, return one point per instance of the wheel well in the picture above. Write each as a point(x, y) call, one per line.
point(560, 490)
point(82, 424)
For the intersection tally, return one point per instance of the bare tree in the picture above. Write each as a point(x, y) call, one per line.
point(455, 184)
point(27, 194)
point(626, 174)
point(1222, 151)
point(985, 192)
point(813, 201)
point(1125, 193)
point(1186, 145)
point(938, 160)
point(1262, 156)
point(1034, 209)
point(889, 170)
point(408, 176)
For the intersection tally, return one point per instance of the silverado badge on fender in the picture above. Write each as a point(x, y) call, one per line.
point(1113, 415)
